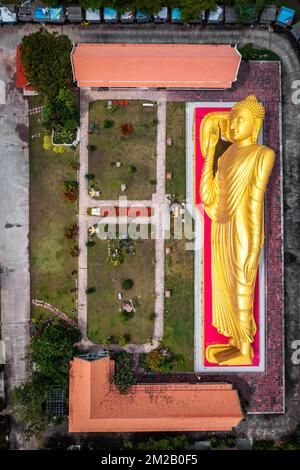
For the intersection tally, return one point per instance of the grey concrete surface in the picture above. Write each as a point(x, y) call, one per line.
point(262, 426)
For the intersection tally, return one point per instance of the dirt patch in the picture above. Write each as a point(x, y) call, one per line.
point(22, 131)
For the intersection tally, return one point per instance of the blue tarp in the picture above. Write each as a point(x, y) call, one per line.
point(176, 14)
point(110, 14)
point(285, 15)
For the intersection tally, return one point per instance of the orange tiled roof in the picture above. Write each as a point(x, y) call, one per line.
point(21, 80)
point(95, 404)
point(155, 65)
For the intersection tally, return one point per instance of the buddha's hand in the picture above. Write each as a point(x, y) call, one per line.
point(250, 266)
point(213, 138)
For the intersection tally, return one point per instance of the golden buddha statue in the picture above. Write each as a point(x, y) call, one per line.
point(232, 192)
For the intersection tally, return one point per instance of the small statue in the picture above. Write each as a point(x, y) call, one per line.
point(233, 198)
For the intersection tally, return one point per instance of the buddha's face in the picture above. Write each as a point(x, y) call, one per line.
point(241, 124)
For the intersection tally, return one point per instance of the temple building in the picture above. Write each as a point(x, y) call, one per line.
point(164, 66)
point(95, 404)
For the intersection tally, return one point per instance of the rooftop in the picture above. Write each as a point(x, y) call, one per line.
point(97, 406)
point(155, 65)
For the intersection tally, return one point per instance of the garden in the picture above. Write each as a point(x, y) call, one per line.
point(53, 209)
point(122, 148)
point(120, 293)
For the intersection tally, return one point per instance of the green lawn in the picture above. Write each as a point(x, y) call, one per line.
point(176, 152)
point(103, 304)
point(51, 264)
point(179, 308)
point(136, 149)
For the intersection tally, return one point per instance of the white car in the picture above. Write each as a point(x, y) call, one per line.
point(7, 16)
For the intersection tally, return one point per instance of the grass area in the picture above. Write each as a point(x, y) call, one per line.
point(104, 318)
point(136, 149)
point(175, 157)
point(179, 308)
point(51, 264)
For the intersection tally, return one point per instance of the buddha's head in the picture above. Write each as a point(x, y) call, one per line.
point(245, 120)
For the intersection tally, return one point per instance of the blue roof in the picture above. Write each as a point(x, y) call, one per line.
point(110, 13)
point(286, 15)
point(176, 14)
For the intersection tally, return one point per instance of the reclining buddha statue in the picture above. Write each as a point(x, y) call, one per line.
point(232, 192)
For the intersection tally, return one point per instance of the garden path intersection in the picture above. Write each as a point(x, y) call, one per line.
point(16, 254)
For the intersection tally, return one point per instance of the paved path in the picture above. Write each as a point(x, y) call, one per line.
point(14, 224)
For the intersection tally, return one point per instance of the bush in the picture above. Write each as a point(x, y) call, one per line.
point(63, 135)
point(107, 123)
point(89, 176)
point(71, 232)
point(90, 290)
point(70, 190)
point(125, 316)
point(74, 251)
point(74, 165)
point(91, 147)
point(70, 124)
point(126, 129)
point(124, 376)
point(131, 169)
point(90, 243)
point(127, 284)
point(61, 111)
point(59, 149)
point(122, 341)
point(47, 144)
point(152, 182)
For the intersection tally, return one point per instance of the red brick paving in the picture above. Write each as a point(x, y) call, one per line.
point(263, 391)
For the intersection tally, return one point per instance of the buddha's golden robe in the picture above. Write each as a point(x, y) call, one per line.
point(233, 199)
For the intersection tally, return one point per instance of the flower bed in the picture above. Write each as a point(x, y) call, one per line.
point(65, 137)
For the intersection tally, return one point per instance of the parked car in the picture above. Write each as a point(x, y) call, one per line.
point(74, 14)
point(127, 17)
point(43, 14)
point(295, 31)
point(200, 19)
point(25, 11)
point(142, 17)
point(268, 15)
point(285, 17)
point(231, 16)
point(216, 16)
point(176, 15)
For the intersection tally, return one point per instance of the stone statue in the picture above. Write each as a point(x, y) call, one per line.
point(233, 198)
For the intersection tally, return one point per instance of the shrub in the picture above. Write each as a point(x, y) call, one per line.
point(125, 316)
point(91, 147)
point(90, 290)
point(61, 111)
point(90, 243)
point(154, 122)
point(107, 123)
point(59, 149)
point(70, 190)
point(71, 232)
point(127, 284)
point(70, 124)
point(89, 176)
point(74, 165)
point(124, 377)
point(63, 135)
point(74, 251)
point(152, 182)
point(47, 145)
point(122, 341)
point(126, 129)
point(131, 169)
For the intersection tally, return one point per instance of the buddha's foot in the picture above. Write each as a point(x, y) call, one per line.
point(225, 354)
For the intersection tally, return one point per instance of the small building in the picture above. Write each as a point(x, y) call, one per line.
point(96, 405)
point(21, 80)
point(42, 14)
point(231, 16)
point(198, 66)
point(268, 15)
point(74, 14)
point(216, 16)
point(92, 16)
point(127, 17)
point(25, 11)
point(8, 15)
point(110, 15)
point(161, 16)
point(295, 31)
point(200, 19)
point(285, 17)
point(176, 15)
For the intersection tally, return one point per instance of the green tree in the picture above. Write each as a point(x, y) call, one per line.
point(50, 353)
point(124, 376)
point(46, 60)
point(248, 10)
point(61, 111)
point(168, 443)
point(191, 9)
